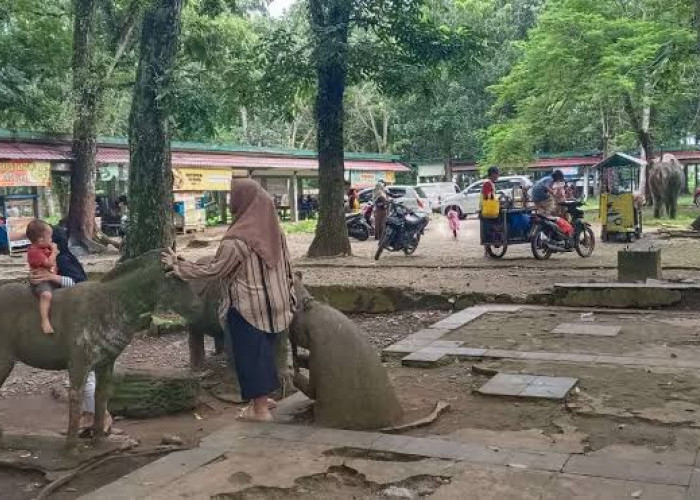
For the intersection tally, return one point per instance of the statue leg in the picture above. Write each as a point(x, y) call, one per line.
point(77, 375)
point(282, 362)
point(103, 391)
point(6, 366)
point(196, 345)
point(218, 343)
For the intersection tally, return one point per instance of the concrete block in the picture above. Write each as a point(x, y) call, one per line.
point(678, 475)
point(638, 265)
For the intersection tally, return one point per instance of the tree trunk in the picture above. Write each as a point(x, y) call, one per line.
point(641, 128)
point(151, 175)
point(329, 23)
point(686, 179)
point(696, 222)
point(81, 212)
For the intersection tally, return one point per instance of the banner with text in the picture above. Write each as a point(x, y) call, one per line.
point(201, 179)
point(16, 174)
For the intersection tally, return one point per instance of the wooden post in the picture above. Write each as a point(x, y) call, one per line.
point(293, 195)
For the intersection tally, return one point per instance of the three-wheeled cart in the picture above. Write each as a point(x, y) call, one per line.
point(511, 227)
point(620, 177)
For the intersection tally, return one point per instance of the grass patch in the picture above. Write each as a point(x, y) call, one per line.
point(302, 227)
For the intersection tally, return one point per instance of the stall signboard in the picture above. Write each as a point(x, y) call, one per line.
point(17, 232)
point(371, 177)
point(201, 179)
point(18, 174)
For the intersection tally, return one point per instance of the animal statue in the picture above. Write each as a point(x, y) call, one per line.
point(666, 182)
point(346, 378)
point(93, 322)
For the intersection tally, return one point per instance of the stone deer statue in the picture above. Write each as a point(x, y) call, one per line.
point(347, 380)
point(94, 322)
point(666, 182)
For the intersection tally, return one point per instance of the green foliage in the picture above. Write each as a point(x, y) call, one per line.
point(580, 63)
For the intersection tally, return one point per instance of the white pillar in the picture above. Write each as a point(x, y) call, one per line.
point(586, 177)
point(293, 195)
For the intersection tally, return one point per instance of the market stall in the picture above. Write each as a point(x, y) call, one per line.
point(19, 202)
point(190, 186)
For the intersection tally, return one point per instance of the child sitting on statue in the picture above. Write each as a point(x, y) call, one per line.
point(42, 255)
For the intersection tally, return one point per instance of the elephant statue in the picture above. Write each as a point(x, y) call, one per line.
point(666, 182)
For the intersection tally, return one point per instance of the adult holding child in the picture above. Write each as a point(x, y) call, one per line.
point(253, 269)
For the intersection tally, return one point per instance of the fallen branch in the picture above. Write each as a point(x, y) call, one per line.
point(53, 486)
point(668, 233)
point(440, 408)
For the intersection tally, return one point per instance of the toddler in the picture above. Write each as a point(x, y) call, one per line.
point(42, 255)
point(453, 220)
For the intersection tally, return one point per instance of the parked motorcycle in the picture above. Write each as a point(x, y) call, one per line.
point(557, 235)
point(403, 230)
point(358, 227)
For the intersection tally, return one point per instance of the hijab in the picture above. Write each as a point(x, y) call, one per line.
point(67, 263)
point(255, 221)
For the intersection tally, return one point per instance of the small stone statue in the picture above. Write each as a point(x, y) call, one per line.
point(346, 379)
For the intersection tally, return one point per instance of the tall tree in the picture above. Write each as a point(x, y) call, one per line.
point(150, 173)
point(399, 35)
point(330, 25)
point(89, 80)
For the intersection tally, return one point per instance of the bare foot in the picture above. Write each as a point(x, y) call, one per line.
point(46, 328)
point(250, 415)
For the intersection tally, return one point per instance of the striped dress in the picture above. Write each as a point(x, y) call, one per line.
point(262, 295)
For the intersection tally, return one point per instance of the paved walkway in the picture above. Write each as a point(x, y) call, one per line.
point(277, 455)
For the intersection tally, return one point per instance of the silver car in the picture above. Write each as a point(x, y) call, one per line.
point(406, 195)
point(468, 202)
point(435, 192)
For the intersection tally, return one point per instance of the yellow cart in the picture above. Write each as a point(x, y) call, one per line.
point(619, 177)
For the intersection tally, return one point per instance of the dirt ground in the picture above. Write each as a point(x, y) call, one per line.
point(629, 391)
point(642, 334)
point(440, 263)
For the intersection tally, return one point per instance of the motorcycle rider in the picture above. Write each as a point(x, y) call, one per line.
point(543, 192)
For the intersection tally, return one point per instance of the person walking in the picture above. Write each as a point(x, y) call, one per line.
point(380, 201)
point(253, 268)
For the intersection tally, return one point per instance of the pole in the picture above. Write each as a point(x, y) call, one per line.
point(293, 195)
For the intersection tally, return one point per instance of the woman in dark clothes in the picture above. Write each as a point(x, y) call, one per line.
point(253, 269)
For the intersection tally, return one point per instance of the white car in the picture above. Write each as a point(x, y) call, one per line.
point(435, 192)
point(468, 202)
point(406, 195)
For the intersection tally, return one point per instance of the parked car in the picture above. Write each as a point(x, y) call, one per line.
point(406, 195)
point(468, 201)
point(436, 192)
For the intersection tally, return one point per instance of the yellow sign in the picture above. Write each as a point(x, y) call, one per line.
point(15, 174)
point(201, 179)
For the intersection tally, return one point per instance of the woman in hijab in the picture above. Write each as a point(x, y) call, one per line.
point(381, 204)
point(253, 269)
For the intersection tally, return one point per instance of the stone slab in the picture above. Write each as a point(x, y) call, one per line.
point(694, 488)
point(345, 439)
point(425, 357)
point(571, 487)
point(647, 472)
point(546, 461)
point(528, 386)
point(587, 329)
point(147, 479)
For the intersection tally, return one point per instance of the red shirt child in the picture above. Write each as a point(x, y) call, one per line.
point(41, 255)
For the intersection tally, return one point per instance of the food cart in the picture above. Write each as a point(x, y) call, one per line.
point(511, 227)
point(620, 180)
point(16, 212)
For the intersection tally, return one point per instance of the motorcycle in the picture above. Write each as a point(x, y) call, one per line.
point(402, 232)
point(358, 227)
point(556, 235)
